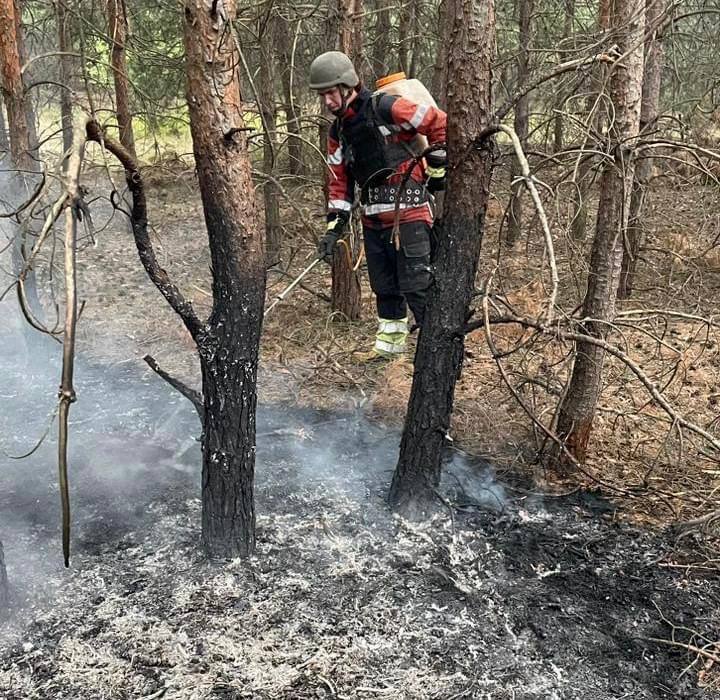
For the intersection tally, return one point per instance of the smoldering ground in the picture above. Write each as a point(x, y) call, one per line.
point(534, 599)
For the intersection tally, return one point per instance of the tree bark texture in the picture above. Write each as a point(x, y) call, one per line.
point(228, 342)
point(577, 410)
point(522, 119)
point(439, 79)
point(266, 96)
point(27, 78)
point(12, 86)
point(441, 344)
point(117, 31)
point(381, 56)
point(346, 296)
point(652, 80)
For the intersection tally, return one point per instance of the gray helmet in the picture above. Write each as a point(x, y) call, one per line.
point(330, 69)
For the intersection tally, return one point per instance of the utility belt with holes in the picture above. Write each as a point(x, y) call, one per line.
point(414, 194)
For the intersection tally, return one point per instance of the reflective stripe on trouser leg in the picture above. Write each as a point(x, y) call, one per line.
point(391, 336)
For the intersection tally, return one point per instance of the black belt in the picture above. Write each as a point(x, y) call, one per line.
point(389, 194)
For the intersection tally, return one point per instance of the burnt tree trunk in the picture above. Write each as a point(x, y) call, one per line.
point(577, 409)
point(346, 297)
point(4, 589)
point(652, 79)
point(522, 120)
point(440, 347)
point(266, 97)
point(117, 31)
point(64, 45)
point(228, 342)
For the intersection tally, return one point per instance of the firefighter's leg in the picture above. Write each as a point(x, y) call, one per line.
point(413, 266)
point(391, 306)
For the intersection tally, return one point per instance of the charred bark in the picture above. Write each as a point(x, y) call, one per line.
point(652, 79)
point(441, 344)
point(439, 80)
point(117, 31)
point(228, 343)
point(577, 410)
point(522, 120)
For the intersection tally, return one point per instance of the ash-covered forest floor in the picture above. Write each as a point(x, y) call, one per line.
point(512, 593)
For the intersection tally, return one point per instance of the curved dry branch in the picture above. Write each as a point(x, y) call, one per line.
point(157, 274)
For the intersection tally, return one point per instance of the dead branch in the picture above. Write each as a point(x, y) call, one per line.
point(613, 350)
point(66, 394)
point(157, 274)
point(195, 397)
point(529, 182)
point(608, 56)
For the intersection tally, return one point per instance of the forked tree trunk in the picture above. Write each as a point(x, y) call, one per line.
point(228, 342)
point(117, 31)
point(652, 79)
point(266, 89)
point(577, 411)
point(346, 297)
point(522, 120)
point(471, 50)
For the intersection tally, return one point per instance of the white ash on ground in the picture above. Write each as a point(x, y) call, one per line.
point(537, 599)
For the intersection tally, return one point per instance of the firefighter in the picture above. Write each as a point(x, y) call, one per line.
point(371, 146)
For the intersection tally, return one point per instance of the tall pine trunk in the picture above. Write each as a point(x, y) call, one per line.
point(291, 105)
point(346, 297)
point(471, 50)
point(228, 342)
point(652, 79)
point(522, 120)
point(577, 411)
point(117, 31)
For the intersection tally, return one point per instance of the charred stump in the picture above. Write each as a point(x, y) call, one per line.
point(440, 347)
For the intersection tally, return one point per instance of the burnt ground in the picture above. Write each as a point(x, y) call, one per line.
point(516, 595)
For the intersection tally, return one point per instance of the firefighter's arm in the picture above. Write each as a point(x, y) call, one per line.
point(341, 186)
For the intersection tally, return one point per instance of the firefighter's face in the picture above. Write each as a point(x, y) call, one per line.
point(334, 99)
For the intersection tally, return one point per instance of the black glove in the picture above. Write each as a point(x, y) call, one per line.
point(326, 245)
point(435, 170)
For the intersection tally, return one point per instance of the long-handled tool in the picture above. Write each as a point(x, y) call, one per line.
point(292, 285)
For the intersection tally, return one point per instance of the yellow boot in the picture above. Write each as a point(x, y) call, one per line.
point(390, 340)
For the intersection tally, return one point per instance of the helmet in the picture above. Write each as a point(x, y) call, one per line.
point(330, 69)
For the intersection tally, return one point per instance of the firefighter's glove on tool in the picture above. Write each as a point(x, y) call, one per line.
point(436, 164)
point(327, 243)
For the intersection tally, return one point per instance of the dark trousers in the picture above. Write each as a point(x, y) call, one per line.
point(399, 278)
